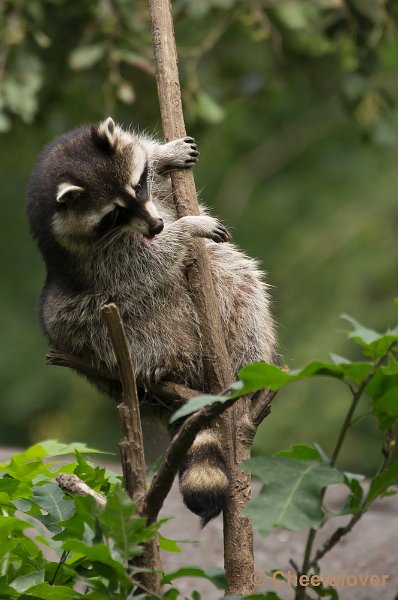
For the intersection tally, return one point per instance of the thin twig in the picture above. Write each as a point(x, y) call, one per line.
point(307, 562)
point(355, 399)
point(62, 560)
point(171, 393)
point(74, 486)
point(61, 359)
point(132, 444)
point(336, 536)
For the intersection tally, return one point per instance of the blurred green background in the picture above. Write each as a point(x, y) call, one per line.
point(293, 105)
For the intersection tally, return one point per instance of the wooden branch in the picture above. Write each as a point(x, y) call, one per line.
point(172, 394)
point(216, 360)
point(216, 363)
point(60, 359)
point(74, 486)
point(132, 444)
point(261, 406)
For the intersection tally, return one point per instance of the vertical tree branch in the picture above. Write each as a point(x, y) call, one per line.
point(132, 444)
point(217, 366)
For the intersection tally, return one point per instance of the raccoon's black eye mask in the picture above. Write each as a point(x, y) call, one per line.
point(118, 217)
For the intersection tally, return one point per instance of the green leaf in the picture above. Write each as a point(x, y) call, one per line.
point(86, 56)
point(23, 583)
point(25, 471)
point(263, 375)
point(5, 590)
point(354, 500)
point(374, 344)
point(33, 453)
point(301, 452)
point(360, 333)
point(57, 506)
point(11, 525)
point(383, 389)
point(126, 529)
point(215, 575)
point(95, 477)
point(388, 403)
point(100, 553)
point(85, 511)
point(339, 360)
point(54, 592)
point(195, 404)
point(291, 496)
point(55, 448)
point(168, 545)
point(322, 453)
point(381, 484)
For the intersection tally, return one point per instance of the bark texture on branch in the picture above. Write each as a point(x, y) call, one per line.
point(217, 366)
point(132, 443)
point(172, 395)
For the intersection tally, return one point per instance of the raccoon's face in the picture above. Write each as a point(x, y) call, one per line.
point(102, 187)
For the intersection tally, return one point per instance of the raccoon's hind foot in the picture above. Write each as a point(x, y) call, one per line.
point(205, 477)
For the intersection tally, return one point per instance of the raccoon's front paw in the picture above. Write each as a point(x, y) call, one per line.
point(181, 153)
point(207, 227)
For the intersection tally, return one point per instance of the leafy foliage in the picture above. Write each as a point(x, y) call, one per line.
point(291, 495)
point(73, 540)
point(49, 541)
point(294, 480)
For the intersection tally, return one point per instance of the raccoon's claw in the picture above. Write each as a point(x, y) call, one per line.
point(153, 375)
point(205, 227)
point(181, 153)
point(192, 151)
point(221, 234)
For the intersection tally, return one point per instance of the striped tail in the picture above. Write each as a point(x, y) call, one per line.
point(204, 477)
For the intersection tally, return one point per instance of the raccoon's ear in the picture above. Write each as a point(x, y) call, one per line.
point(65, 190)
point(105, 135)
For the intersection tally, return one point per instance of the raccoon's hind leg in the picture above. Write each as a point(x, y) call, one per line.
point(205, 477)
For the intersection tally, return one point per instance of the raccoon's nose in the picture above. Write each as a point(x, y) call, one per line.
point(157, 226)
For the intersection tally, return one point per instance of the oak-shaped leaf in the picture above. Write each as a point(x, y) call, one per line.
point(291, 495)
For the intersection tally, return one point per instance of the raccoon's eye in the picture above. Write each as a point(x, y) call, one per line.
point(137, 187)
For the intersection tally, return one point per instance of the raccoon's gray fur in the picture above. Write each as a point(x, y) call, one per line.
point(101, 210)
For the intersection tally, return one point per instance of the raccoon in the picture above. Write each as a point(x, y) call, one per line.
point(101, 210)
